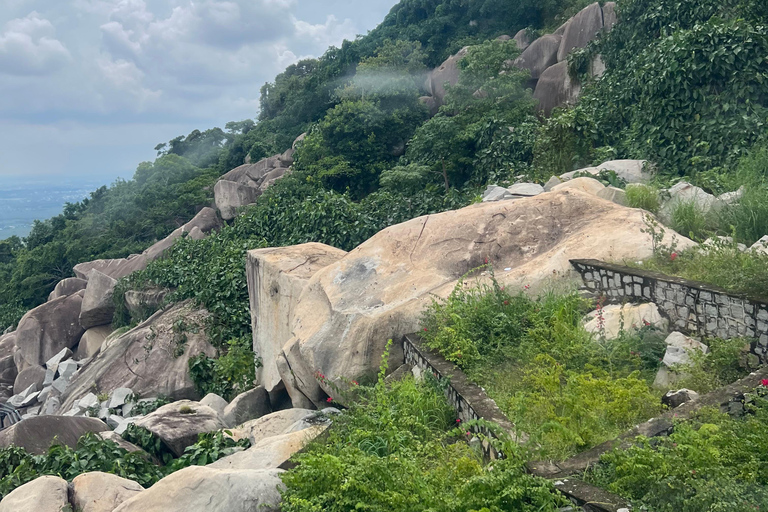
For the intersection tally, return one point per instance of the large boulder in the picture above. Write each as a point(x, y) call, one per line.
point(631, 171)
point(102, 492)
point(98, 308)
point(246, 406)
point(584, 184)
point(270, 452)
point(204, 489)
point(178, 424)
point(68, 287)
point(539, 56)
point(151, 359)
point(32, 376)
point(206, 221)
point(678, 354)
point(522, 39)
point(8, 370)
point(91, 342)
point(447, 73)
point(274, 424)
point(230, 196)
point(581, 29)
point(555, 88)
point(378, 291)
point(37, 434)
point(610, 16)
point(49, 328)
point(44, 494)
point(139, 302)
point(682, 193)
point(611, 320)
point(276, 278)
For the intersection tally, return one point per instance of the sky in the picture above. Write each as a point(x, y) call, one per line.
point(89, 87)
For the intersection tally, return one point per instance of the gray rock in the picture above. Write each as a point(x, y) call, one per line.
point(139, 302)
point(613, 194)
point(678, 353)
point(684, 192)
point(120, 429)
point(67, 287)
point(119, 397)
point(522, 39)
point(60, 385)
point(178, 424)
point(111, 435)
point(32, 376)
point(8, 370)
point(17, 399)
point(215, 402)
point(526, 189)
point(677, 398)
point(51, 405)
point(89, 401)
point(447, 73)
point(247, 406)
point(270, 452)
point(36, 434)
point(54, 361)
point(539, 56)
point(48, 329)
point(610, 17)
point(215, 490)
point(98, 307)
point(496, 193)
point(631, 171)
point(44, 494)
point(230, 196)
point(67, 369)
point(551, 183)
point(761, 245)
point(114, 420)
point(30, 399)
point(581, 29)
point(732, 197)
point(556, 89)
point(91, 342)
point(274, 424)
point(145, 358)
point(717, 242)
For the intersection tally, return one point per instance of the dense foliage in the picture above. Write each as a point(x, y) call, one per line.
point(567, 389)
point(397, 449)
point(712, 462)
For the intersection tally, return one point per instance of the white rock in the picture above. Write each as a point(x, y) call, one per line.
point(215, 402)
point(761, 245)
point(628, 316)
point(717, 242)
point(44, 494)
point(732, 197)
point(631, 171)
point(526, 189)
point(119, 397)
point(61, 356)
point(67, 369)
point(88, 401)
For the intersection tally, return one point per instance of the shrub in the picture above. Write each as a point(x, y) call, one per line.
point(711, 463)
point(690, 219)
point(643, 196)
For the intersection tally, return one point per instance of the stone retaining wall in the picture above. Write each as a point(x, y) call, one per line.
point(692, 308)
point(468, 399)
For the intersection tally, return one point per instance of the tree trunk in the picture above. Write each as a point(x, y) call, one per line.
point(445, 176)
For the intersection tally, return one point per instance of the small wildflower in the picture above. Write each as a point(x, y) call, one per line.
point(330, 399)
point(673, 256)
point(764, 382)
point(355, 383)
point(486, 260)
point(458, 420)
point(506, 303)
point(526, 287)
point(425, 329)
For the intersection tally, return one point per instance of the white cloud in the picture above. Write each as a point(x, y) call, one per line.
point(330, 33)
point(28, 47)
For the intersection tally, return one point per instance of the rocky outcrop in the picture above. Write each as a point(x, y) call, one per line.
point(274, 424)
point(98, 308)
point(44, 494)
point(49, 328)
point(351, 308)
point(139, 302)
point(270, 452)
point(37, 434)
point(540, 55)
point(91, 342)
point(631, 171)
point(231, 195)
point(247, 406)
point(204, 489)
point(446, 73)
point(276, 278)
point(8, 369)
point(206, 221)
point(67, 287)
point(178, 424)
point(556, 88)
point(522, 39)
point(102, 492)
point(151, 359)
point(611, 320)
point(581, 29)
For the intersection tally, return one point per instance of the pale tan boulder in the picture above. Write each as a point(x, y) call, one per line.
point(102, 492)
point(378, 291)
point(270, 452)
point(276, 278)
point(44, 494)
point(178, 424)
point(581, 29)
point(614, 318)
point(584, 184)
point(91, 342)
point(273, 424)
point(204, 489)
point(44, 331)
point(151, 359)
point(67, 287)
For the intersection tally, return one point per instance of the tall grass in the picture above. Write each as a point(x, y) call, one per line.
point(643, 196)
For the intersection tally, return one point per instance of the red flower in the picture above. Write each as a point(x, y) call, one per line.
point(673, 256)
point(355, 383)
point(486, 260)
point(425, 329)
point(329, 400)
point(458, 420)
point(506, 303)
point(764, 382)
